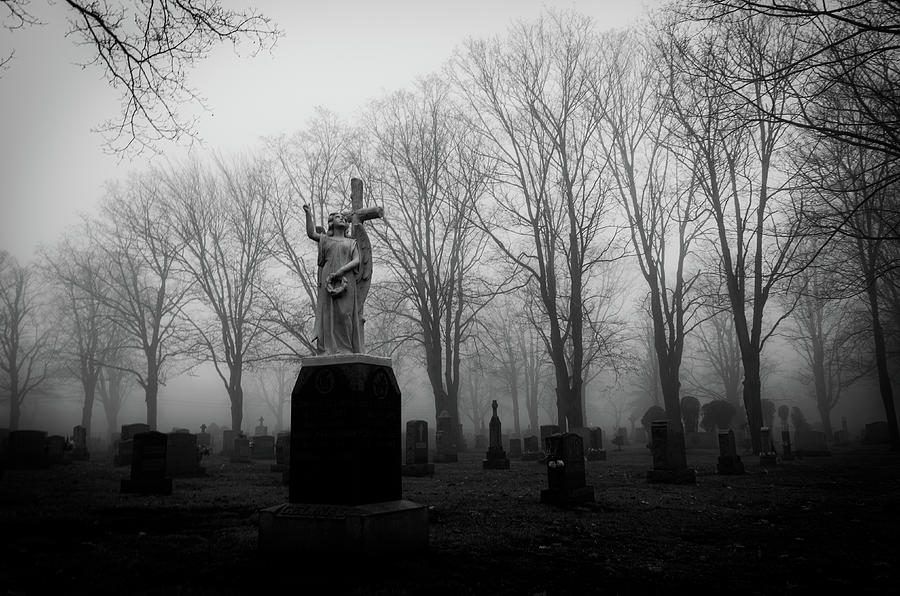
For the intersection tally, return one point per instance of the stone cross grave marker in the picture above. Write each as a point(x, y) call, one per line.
point(496, 458)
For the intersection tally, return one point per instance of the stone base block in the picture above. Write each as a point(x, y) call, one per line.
point(495, 464)
point(279, 468)
point(417, 470)
point(730, 466)
point(531, 456)
point(768, 460)
point(584, 494)
point(685, 476)
point(161, 486)
point(595, 455)
point(375, 528)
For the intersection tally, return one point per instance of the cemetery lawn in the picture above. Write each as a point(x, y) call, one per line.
point(829, 524)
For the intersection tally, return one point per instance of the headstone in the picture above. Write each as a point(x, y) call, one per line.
point(27, 450)
point(417, 450)
point(667, 447)
point(445, 451)
point(546, 431)
point(565, 471)
point(124, 446)
point(228, 437)
point(282, 455)
point(496, 457)
point(592, 438)
point(129, 430)
point(811, 443)
point(261, 430)
point(876, 433)
point(240, 452)
point(80, 443)
point(263, 447)
point(148, 465)
point(729, 461)
point(767, 456)
point(531, 448)
point(786, 452)
point(515, 448)
point(183, 455)
point(56, 449)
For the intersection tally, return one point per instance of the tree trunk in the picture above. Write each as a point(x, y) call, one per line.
point(822, 398)
point(88, 407)
point(514, 393)
point(15, 409)
point(884, 377)
point(151, 392)
point(236, 395)
point(752, 390)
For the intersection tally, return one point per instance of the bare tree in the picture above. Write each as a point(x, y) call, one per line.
point(424, 167)
point(26, 340)
point(530, 96)
point(221, 218)
point(273, 384)
point(144, 50)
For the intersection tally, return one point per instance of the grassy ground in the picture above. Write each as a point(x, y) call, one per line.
point(826, 523)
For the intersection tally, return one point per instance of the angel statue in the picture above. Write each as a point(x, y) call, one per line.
point(345, 273)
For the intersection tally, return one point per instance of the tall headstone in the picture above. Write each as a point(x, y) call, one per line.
point(80, 443)
point(282, 455)
point(228, 437)
point(416, 452)
point(183, 455)
point(124, 446)
point(531, 448)
point(240, 452)
point(592, 439)
point(729, 461)
point(667, 447)
point(767, 456)
point(445, 445)
point(565, 471)
point(148, 465)
point(496, 457)
point(515, 448)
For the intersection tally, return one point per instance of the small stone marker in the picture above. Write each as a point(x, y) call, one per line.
point(263, 447)
point(565, 471)
point(767, 456)
point(240, 454)
point(667, 447)
point(27, 450)
point(417, 450)
point(148, 465)
point(515, 448)
point(531, 448)
point(729, 461)
point(261, 430)
point(786, 453)
point(183, 455)
point(445, 447)
point(496, 458)
point(80, 443)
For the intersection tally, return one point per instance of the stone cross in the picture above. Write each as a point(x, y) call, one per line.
point(260, 420)
point(358, 217)
point(203, 428)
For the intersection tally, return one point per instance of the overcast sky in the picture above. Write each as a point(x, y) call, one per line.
point(337, 54)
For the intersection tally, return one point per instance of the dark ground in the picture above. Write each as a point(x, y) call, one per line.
point(824, 524)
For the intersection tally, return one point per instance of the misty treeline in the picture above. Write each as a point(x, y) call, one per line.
point(563, 205)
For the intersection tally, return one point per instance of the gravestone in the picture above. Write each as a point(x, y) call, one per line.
point(876, 433)
point(811, 443)
point(767, 456)
point(417, 450)
point(263, 447)
point(667, 447)
point(148, 465)
point(445, 451)
point(547, 430)
point(240, 452)
point(228, 437)
point(27, 450)
point(592, 438)
point(282, 454)
point(565, 471)
point(531, 448)
point(204, 441)
point(56, 449)
point(729, 461)
point(261, 430)
point(496, 457)
point(787, 453)
point(124, 445)
point(183, 455)
point(515, 448)
point(80, 443)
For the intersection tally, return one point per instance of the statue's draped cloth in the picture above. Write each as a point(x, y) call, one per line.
point(337, 317)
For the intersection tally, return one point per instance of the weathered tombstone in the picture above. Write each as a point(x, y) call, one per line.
point(261, 430)
point(228, 437)
point(496, 457)
point(767, 456)
point(80, 443)
point(417, 450)
point(667, 447)
point(811, 443)
point(27, 450)
point(129, 430)
point(263, 447)
point(148, 465)
point(593, 441)
point(547, 430)
point(183, 455)
point(565, 471)
point(531, 448)
point(729, 461)
point(204, 441)
point(786, 452)
point(515, 448)
point(124, 446)
point(445, 451)
point(56, 449)
point(282, 455)
point(240, 452)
